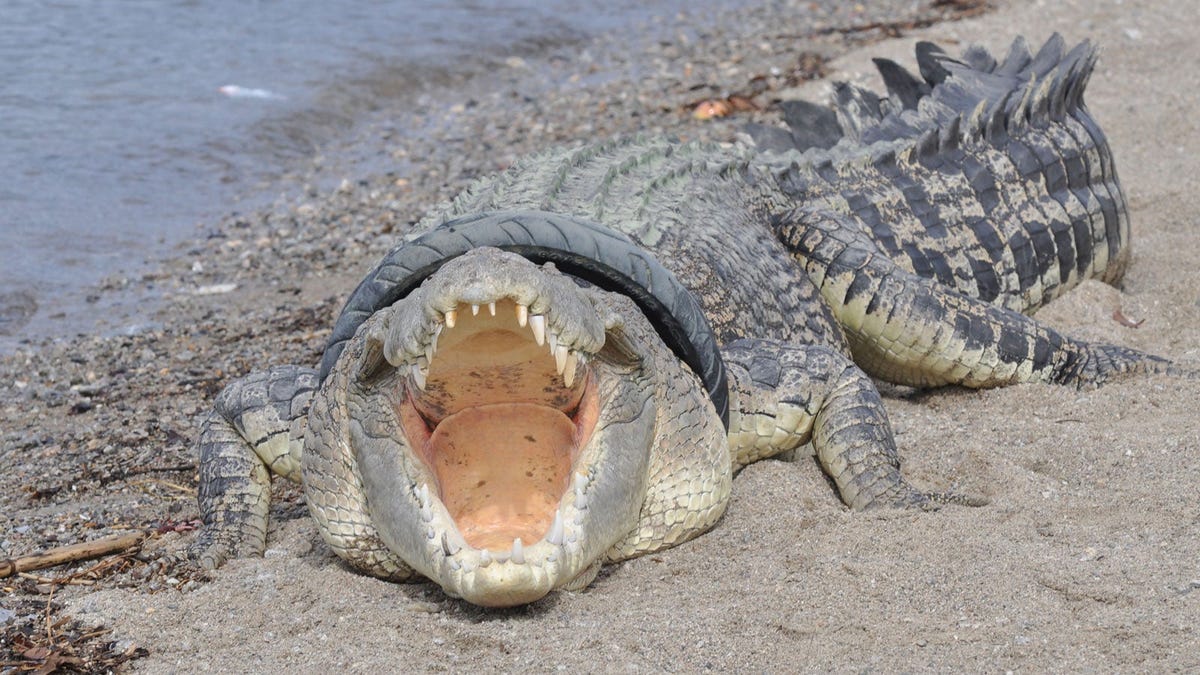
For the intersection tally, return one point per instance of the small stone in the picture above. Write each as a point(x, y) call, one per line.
point(215, 289)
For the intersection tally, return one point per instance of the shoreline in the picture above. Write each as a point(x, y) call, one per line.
point(97, 431)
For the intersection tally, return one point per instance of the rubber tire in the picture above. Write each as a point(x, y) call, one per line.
point(581, 248)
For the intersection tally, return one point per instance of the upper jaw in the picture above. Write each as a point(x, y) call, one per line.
point(549, 304)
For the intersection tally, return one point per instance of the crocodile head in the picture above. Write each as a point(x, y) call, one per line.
point(503, 418)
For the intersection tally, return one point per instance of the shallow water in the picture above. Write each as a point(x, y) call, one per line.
point(124, 126)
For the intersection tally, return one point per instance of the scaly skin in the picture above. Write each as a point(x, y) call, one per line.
point(505, 422)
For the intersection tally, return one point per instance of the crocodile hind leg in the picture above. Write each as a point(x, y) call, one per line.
point(782, 396)
point(909, 330)
point(256, 428)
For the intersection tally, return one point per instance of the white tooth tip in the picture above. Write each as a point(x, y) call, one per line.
point(569, 369)
point(451, 318)
point(518, 552)
point(492, 308)
point(474, 310)
point(560, 358)
point(555, 536)
point(537, 323)
point(418, 375)
point(522, 315)
point(485, 558)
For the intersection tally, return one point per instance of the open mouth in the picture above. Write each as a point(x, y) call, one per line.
point(498, 409)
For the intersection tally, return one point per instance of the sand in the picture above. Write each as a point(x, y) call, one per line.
point(1087, 558)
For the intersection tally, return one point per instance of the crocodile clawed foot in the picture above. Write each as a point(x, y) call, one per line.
point(214, 547)
point(907, 497)
point(938, 499)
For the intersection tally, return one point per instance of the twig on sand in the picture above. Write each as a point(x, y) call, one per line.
point(65, 554)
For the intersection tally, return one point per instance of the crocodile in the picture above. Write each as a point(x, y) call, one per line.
point(566, 365)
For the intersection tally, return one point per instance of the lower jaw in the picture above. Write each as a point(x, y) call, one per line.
point(502, 470)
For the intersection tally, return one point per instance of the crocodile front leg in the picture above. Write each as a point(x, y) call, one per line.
point(256, 428)
point(909, 330)
point(782, 396)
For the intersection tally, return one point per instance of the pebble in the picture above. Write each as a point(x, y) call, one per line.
point(215, 289)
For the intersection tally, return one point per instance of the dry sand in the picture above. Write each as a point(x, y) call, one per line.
point(1088, 557)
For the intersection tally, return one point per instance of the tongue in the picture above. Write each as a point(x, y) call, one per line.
point(502, 469)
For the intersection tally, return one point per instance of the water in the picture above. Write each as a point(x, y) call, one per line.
point(118, 133)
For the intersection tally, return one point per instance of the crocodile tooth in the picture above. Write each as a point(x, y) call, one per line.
point(474, 309)
point(581, 500)
point(522, 315)
point(569, 370)
point(555, 535)
point(447, 547)
point(537, 323)
point(518, 552)
point(423, 494)
point(582, 480)
point(418, 375)
point(560, 358)
point(485, 558)
point(451, 318)
point(430, 350)
point(552, 340)
point(492, 308)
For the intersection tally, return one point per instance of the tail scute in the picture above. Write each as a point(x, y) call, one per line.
point(973, 96)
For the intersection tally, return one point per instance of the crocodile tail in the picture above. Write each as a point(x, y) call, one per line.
point(974, 94)
point(1009, 140)
point(979, 94)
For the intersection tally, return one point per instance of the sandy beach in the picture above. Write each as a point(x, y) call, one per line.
point(1086, 559)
